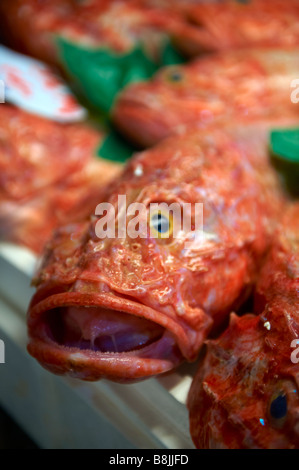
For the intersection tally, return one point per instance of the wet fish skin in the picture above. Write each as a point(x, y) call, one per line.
point(32, 149)
point(227, 87)
point(250, 365)
point(180, 293)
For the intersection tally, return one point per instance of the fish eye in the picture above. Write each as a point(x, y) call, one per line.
point(175, 76)
point(278, 407)
point(161, 224)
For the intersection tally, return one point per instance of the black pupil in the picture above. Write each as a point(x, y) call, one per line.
point(278, 408)
point(176, 76)
point(160, 223)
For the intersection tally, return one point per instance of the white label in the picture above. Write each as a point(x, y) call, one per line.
point(32, 86)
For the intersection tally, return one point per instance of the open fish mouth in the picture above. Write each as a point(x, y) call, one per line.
point(91, 342)
point(100, 329)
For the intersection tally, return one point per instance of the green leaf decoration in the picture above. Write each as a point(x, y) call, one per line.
point(170, 56)
point(115, 148)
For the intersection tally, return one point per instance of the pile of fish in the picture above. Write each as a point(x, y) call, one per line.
point(127, 308)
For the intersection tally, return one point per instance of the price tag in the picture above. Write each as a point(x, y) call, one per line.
point(32, 86)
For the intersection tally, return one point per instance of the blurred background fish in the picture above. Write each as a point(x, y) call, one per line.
point(49, 173)
point(227, 87)
point(245, 393)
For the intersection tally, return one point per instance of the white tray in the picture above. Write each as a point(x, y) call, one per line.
point(59, 412)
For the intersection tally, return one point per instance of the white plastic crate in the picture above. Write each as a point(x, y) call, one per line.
point(59, 412)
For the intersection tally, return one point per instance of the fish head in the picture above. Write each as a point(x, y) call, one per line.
point(246, 393)
point(148, 111)
point(217, 88)
point(126, 307)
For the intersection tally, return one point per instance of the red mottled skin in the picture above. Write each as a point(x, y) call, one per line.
point(126, 308)
point(250, 364)
point(217, 25)
point(233, 24)
point(195, 27)
point(48, 175)
point(116, 24)
point(228, 87)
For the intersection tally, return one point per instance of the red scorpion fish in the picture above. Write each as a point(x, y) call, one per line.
point(48, 175)
point(127, 308)
point(225, 87)
point(245, 393)
point(231, 24)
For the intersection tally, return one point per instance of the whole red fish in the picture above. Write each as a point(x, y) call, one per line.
point(245, 393)
point(48, 175)
point(227, 87)
point(126, 308)
point(231, 24)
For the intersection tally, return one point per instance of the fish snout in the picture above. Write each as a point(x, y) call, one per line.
point(140, 117)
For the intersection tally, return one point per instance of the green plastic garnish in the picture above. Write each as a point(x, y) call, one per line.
point(170, 56)
point(284, 144)
point(115, 148)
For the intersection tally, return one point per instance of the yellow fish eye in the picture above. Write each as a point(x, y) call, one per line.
point(161, 224)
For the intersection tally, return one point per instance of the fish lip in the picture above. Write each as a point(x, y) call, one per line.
point(94, 365)
point(112, 366)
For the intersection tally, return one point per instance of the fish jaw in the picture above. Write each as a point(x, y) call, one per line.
point(155, 351)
